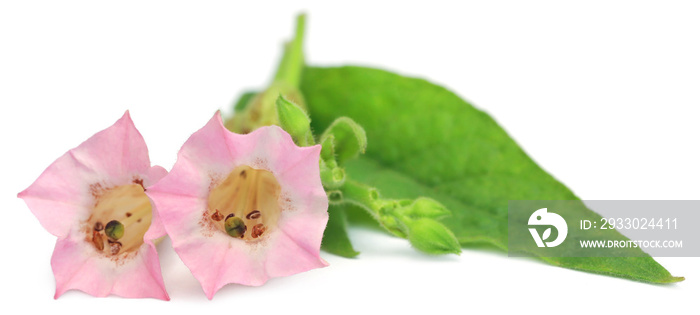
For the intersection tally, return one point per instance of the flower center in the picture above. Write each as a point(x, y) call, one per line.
point(120, 219)
point(245, 204)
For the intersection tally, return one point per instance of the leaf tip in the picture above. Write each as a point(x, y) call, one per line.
point(676, 279)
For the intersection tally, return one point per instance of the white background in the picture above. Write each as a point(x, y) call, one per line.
point(602, 94)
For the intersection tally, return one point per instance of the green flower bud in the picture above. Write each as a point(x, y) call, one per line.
point(432, 237)
point(424, 207)
point(327, 151)
point(332, 178)
point(114, 229)
point(294, 120)
point(335, 196)
point(393, 225)
point(338, 175)
point(349, 139)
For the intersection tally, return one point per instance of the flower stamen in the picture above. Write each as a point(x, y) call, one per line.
point(217, 216)
point(114, 247)
point(97, 240)
point(258, 230)
point(246, 197)
point(127, 211)
point(253, 215)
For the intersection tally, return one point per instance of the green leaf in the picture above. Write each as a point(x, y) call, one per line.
point(426, 141)
point(335, 237)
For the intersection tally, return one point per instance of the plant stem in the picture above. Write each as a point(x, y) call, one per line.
point(292, 63)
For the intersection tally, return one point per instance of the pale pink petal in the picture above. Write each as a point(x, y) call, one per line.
point(215, 258)
point(76, 266)
point(156, 229)
point(145, 279)
point(288, 256)
point(175, 212)
point(117, 152)
point(63, 197)
point(60, 194)
point(208, 256)
point(155, 173)
point(218, 262)
point(63, 191)
point(205, 150)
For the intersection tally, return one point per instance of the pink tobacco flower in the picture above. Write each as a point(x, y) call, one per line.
point(92, 198)
point(243, 208)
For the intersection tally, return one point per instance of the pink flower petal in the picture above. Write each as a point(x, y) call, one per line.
point(110, 157)
point(156, 230)
point(76, 267)
point(288, 255)
point(214, 257)
point(63, 197)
